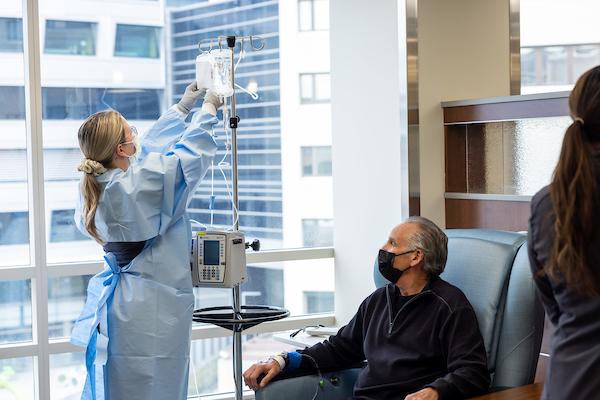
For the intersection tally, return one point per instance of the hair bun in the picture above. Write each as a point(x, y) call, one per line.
point(91, 167)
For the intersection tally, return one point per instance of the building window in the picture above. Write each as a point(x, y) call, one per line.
point(11, 35)
point(70, 37)
point(14, 228)
point(315, 88)
point(79, 103)
point(137, 41)
point(313, 15)
point(316, 161)
point(317, 232)
point(12, 99)
point(63, 227)
point(318, 302)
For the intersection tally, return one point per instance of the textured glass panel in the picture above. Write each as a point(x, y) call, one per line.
point(16, 379)
point(211, 361)
point(67, 376)
point(15, 317)
point(66, 297)
point(484, 160)
point(532, 153)
point(505, 157)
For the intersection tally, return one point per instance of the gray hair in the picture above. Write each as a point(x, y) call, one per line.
point(432, 241)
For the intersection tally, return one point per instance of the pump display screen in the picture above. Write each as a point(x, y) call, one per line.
point(211, 252)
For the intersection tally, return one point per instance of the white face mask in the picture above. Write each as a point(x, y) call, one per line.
point(136, 144)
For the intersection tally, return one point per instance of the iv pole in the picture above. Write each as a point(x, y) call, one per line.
point(242, 317)
point(237, 331)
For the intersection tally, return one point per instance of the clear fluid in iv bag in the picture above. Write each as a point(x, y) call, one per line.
point(221, 72)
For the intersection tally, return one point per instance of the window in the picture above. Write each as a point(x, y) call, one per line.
point(14, 228)
point(63, 227)
point(317, 232)
point(313, 15)
point(15, 319)
point(137, 41)
point(79, 103)
point(12, 99)
point(557, 43)
point(315, 88)
point(318, 302)
point(11, 35)
point(316, 161)
point(70, 37)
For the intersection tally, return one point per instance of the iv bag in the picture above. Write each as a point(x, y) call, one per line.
point(204, 71)
point(221, 72)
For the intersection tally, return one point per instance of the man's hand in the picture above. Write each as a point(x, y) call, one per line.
point(424, 394)
point(269, 369)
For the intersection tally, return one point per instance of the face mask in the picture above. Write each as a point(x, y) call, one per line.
point(386, 268)
point(138, 148)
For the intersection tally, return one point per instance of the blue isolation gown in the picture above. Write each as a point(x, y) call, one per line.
point(136, 323)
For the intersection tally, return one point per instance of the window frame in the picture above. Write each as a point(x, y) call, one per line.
point(313, 98)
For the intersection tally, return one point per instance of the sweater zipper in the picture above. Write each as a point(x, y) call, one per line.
point(401, 308)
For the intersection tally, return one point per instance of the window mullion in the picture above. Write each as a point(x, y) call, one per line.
point(35, 171)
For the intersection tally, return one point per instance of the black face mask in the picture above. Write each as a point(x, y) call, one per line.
point(386, 268)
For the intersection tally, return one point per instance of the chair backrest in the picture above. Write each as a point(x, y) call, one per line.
point(492, 269)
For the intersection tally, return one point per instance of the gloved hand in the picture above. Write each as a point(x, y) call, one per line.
point(191, 95)
point(212, 102)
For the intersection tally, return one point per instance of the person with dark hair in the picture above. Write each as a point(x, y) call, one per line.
point(564, 250)
point(419, 334)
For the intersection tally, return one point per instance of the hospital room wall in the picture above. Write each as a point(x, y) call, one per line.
point(463, 52)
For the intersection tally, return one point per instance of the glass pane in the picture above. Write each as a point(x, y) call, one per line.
point(318, 302)
point(272, 194)
point(134, 87)
point(305, 16)
point(504, 157)
point(307, 87)
point(323, 160)
point(137, 41)
point(555, 65)
point(11, 35)
point(67, 376)
point(556, 29)
point(317, 232)
point(16, 379)
point(584, 58)
point(278, 284)
point(14, 210)
point(70, 37)
point(66, 297)
point(307, 161)
point(211, 366)
point(322, 87)
point(15, 318)
point(321, 14)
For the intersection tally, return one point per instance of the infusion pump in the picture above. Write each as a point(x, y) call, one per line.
point(218, 259)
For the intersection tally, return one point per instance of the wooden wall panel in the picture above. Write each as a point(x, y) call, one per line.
point(492, 214)
point(556, 107)
point(456, 158)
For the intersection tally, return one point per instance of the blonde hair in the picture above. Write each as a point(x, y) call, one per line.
point(99, 135)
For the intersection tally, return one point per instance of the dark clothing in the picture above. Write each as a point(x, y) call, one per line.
point(432, 340)
point(125, 252)
point(575, 354)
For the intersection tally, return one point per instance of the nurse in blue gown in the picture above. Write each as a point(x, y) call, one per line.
point(136, 322)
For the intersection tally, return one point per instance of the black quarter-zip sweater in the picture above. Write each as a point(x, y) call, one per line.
point(427, 340)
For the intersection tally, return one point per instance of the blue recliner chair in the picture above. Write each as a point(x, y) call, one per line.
point(492, 269)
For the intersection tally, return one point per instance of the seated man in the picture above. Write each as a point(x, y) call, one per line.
point(419, 334)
